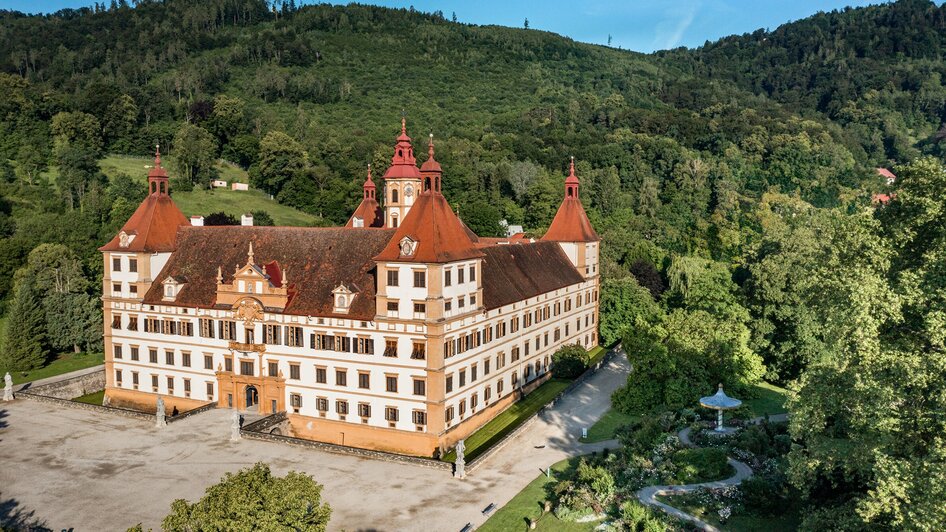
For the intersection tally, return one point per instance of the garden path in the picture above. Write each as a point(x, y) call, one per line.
point(648, 495)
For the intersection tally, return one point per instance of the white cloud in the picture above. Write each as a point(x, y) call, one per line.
point(669, 32)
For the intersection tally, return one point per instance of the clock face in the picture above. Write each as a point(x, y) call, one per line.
point(407, 247)
point(408, 191)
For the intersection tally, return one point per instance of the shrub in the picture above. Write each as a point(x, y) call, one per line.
point(570, 361)
point(701, 465)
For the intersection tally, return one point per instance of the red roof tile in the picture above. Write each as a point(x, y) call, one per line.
point(318, 260)
point(571, 223)
point(439, 234)
point(370, 213)
point(515, 272)
point(154, 224)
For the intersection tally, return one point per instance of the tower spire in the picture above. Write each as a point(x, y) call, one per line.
point(431, 169)
point(249, 256)
point(368, 187)
point(571, 182)
point(158, 176)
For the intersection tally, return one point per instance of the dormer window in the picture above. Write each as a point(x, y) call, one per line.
point(408, 246)
point(124, 239)
point(342, 296)
point(172, 287)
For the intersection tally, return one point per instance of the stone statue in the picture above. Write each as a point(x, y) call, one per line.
point(459, 471)
point(235, 426)
point(159, 420)
point(8, 387)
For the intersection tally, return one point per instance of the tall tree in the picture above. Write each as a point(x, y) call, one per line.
point(281, 158)
point(25, 332)
point(195, 154)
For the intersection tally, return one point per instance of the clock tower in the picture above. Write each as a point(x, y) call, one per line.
point(402, 181)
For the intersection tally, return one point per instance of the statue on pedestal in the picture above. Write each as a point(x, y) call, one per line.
point(459, 470)
point(235, 426)
point(159, 420)
point(8, 387)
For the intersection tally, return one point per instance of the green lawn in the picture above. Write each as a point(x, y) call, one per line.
point(94, 398)
point(737, 522)
point(64, 364)
point(509, 419)
point(770, 400)
point(595, 355)
point(605, 427)
point(138, 167)
point(528, 504)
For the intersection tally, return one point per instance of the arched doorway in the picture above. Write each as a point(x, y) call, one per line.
point(252, 398)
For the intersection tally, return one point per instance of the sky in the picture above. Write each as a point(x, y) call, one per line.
point(640, 25)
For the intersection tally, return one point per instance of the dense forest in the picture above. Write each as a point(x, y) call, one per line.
point(731, 185)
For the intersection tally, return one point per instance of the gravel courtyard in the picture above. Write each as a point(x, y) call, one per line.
point(68, 468)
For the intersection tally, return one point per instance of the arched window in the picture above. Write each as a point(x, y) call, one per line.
point(393, 195)
point(400, 153)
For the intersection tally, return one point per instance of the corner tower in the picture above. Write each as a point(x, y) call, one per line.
point(402, 181)
point(572, 230)
point(368, 213)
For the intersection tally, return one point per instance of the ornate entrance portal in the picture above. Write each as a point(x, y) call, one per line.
point(252, 397)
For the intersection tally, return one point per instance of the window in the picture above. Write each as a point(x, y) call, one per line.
point(460, 272)
point(133, 265)
point(228, 364)
point(448, 415)
point(420, 308)
point(320, 376)
point(187, 387)
point(515, 379)
point(294, 336)
point(186, 359)
point(419, 352)
point(206, 328)
point(390, 348)
point(208, 362)
point(392, 277)
point(274, 369)
point(392, 306)
point(293, 371)
point(116, 288)
point(394, 195)
point(271, 334)
point(485, 366)
point(153, 356)
point(341, 377)
point(295, 400)
point(461, 302)
point(210, 391)
point(515, 354)
point(472, 273)
point(117, 321)
point(246, 367)
point(227, 330)
point(118, 377)
point(420, 279)
point(249, 336)
point(390, 414)
point(132, 323)
point(474, 400)
point(134, 379)
point(447, 305)
point(447, 277)
point(473, 373)
point(449, 383)
point(419, 417)
point(420, 387)
point(341, 407)
point(487, 393)
point(390, 383)
point(186, 328)
point(117, 351)
point(472, 300)
point(134, 353)
point(514, 324)
point(364, 380)
point(133, 289)
point(116, 264)
point(321, 404)
point(462, 378)
point(364, 410)
point(154, 383)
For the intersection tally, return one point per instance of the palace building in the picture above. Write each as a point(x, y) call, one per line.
point(402, 331)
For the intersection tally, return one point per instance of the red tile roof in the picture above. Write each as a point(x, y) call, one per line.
point(154, 224)
point(370, 213)
point(439, 234)
point(515, 272)
point(883, 172)
point(571, 223)
point(318, 260)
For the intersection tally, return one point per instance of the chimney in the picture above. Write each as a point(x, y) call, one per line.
point(197, 221)
point(246, 219)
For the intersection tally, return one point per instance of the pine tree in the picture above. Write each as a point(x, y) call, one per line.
point(25, 332)
point(526, 24)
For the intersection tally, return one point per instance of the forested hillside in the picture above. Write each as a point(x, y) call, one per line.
point(731, 185)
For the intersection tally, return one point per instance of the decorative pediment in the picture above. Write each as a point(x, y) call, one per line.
point(408, 246)
point(266, 283)
point(343, 296)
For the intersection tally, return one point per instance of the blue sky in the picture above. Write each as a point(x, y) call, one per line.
point(639, 25)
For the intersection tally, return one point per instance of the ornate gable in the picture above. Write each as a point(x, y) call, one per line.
point(267, 284)
point(343, 296)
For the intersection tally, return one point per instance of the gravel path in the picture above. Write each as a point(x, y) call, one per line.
point(648, 495)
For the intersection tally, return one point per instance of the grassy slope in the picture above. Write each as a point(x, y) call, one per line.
point(605, 427)
point(738, 522)
point(528, 504)
point(509, 419)
point(94, 398)
point(770, 400)
point(64, 364)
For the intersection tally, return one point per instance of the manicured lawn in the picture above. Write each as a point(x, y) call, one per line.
point(235, 202)
point(64, 364)
point(605, 427)
point(770, 400)
point(94, 398)
point(509, 419)
point(738, 522)
point(529, 502)
point(595, 355)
